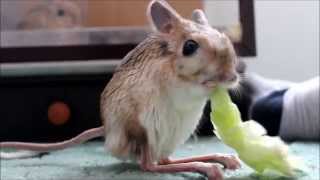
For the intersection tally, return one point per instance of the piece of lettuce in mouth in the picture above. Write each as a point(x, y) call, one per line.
point(259, 151)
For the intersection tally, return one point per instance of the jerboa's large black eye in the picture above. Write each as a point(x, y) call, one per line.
point(190, 47)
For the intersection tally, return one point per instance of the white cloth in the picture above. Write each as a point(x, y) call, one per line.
point(300, 116)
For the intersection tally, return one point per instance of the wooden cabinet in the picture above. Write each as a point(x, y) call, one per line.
point(26, 102)
point(39, 14)
point(28, 90)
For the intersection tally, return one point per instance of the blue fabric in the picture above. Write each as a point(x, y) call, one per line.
point(267, 111)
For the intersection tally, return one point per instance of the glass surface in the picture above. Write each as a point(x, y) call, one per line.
point(42, 14)
point(57, 14)
point(70, 22)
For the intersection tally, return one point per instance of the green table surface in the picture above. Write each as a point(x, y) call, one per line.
point(89, 161)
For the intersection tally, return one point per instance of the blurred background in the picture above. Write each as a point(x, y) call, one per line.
point(282, 27)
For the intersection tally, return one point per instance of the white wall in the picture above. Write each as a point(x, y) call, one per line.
point(287, 34)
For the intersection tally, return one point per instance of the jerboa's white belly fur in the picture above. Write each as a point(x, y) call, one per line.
point(172, 118)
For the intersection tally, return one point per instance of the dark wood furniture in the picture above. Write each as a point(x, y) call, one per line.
point(73, 71)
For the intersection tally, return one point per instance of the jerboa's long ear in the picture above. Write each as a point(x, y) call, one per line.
point(199, 17)
point(163, 17)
